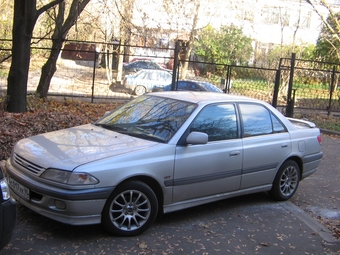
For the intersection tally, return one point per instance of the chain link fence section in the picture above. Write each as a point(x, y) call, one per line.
point(315, 84)
point(252, 82)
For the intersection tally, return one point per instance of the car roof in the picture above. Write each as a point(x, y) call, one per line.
point(153, 70)
point(204, 84)
point(202, 97)
point(150, 71)
point(141, 60)
point(210, 86)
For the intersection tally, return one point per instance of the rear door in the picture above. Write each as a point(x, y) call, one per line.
point(266, 143)
point(215, 167)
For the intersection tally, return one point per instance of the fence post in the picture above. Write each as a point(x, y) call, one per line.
point(276, 87)
point(331, 92)
point(290, 103)
point(228, 78)
point(93, 74)
point(175, 67)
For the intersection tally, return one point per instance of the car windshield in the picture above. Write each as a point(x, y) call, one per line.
point(149, 117)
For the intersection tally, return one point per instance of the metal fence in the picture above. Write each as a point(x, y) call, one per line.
point(314, 84)
point(90, 73)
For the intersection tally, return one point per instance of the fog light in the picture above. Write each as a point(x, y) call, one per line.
point(61, 205)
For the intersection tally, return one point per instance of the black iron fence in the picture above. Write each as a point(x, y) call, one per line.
point(311, 84)
point(90, 71)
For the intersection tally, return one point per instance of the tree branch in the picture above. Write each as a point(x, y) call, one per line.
point(48, 6)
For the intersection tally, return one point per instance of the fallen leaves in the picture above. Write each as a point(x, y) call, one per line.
point(142, 245)
point(265, 244)
point(333, 225)
point(45, 117)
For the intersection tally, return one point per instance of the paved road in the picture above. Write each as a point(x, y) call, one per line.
point(251, 224)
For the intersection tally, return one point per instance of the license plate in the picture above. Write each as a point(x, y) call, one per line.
point(19, 189)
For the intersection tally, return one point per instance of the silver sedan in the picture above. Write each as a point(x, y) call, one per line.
point(162, 152)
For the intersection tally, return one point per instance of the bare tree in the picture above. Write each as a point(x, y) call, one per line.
point(126, 12)
point(190, 43)
point(334, 25)
point(183, 17)
point(62, 27)
point(330, 19)
point(25, 17)
point(116, 25)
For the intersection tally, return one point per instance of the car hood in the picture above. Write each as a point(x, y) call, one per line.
point(68, 148)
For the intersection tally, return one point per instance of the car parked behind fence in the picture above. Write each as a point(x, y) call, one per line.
point(137, 65)
point(144, 81)
point(190, 85)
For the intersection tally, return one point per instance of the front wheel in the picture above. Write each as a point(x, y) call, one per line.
point(140, 90)
point(286, 181)
point(130, 210)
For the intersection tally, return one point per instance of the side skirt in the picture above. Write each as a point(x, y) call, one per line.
point(204, 200)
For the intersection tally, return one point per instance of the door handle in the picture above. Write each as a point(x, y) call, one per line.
point(234, 153)
point(284, 145)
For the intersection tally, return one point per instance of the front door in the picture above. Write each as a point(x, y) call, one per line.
point(212, 168)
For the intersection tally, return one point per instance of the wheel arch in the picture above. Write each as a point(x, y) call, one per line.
point(298, 161)
point(153, 184)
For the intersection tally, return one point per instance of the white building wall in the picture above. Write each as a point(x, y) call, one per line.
point(260, 19)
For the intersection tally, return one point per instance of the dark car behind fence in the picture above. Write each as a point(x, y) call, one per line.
point(91, 71)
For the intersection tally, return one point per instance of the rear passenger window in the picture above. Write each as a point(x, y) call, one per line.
point(218, 121)
point(258, 120)
point(277, 125)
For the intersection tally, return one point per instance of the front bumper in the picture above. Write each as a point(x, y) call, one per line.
point(71, 206)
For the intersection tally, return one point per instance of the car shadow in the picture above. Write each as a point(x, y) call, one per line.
point(226, 206)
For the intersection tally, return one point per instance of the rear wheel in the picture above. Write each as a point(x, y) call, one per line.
point(130, 210)
point(140, 90)
point(286, 181)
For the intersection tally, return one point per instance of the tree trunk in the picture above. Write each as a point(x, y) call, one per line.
point(59, 35)
point(23, 23)
point(190, 43)
point(49, 68)
point(25, 17)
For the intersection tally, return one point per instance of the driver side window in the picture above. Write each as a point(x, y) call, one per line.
point(218, 121)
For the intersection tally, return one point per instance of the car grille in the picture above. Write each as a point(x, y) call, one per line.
point(29, 166)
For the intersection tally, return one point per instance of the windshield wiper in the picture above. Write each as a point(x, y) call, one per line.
point(112, 127)
point(131, 133)
point(147, 137)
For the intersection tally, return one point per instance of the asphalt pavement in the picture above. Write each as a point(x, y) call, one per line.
point(252, 224)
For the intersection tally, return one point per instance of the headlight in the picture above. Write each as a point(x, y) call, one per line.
point(5, 189)
point(69, 177)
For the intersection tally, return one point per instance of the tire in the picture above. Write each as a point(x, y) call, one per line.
point(130, 210)
point(286, 181)
point(140, 90)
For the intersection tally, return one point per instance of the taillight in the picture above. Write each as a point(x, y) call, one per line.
point(319, 139)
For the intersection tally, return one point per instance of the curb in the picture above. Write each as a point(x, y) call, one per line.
point(313, 224)
point(329, 132)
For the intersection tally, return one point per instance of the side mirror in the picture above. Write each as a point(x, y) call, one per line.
point(197, 138)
